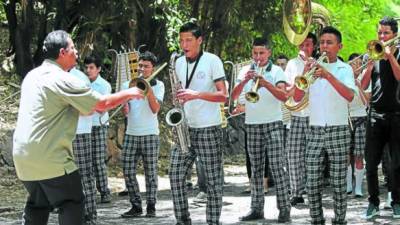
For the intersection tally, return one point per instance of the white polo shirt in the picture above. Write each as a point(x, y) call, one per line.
point(84, 122)
point(141, 120)
point(103, 87)
point(295, 68)
point(356, 107)
point(201, 113)
point(268, 108)
point(327, 106)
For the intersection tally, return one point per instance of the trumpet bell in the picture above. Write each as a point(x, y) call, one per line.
point(301, 83)
point(252, 96)
point(174, 117)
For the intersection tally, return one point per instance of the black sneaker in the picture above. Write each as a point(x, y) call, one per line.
point(151, 210)
point(135, 211)
point(105, 198)
point(252, 215)
point(123, 193)
point(297, 200)
point(284, 216)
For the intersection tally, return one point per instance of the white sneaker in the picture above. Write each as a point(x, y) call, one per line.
point(388, 201)
point(201, 197)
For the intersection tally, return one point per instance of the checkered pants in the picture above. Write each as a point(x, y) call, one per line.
point(84, 159)
point(99, 147)
point(267, 139)
point(206, 145)
point(335, 141)
point(296, 146)
point(147, 148)
point(358, 136)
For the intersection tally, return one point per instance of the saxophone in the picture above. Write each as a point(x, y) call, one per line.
point(176, 116)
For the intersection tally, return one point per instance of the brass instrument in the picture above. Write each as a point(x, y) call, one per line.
point(176, 116)
point(297, 18)
point(376, 48)
point(252, 95)
point(303, 83)
point(141, 83)
point(144, 83)
point(234, 71)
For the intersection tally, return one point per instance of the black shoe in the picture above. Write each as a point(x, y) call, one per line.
point(105, 198)
point(284, 216)
point(151, 210)
point(297, 200)
point(252, 215)
point(135, 211)
point(123, 193)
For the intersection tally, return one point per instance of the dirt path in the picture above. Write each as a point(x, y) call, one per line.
point(235, 205)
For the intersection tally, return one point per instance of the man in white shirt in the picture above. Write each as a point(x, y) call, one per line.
point(203, 90)
point(142, 139)
point(329, 132)
point(297, 136)
point(84, 158)
point(264, 128)
point(99, 132)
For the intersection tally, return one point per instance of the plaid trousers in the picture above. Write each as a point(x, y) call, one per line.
point(358, 136)
point(296, 146)
point(267, 139)
point(147, 148)
point(84, 160)
point(206, 145)
point(99, 147)
point(335, 141)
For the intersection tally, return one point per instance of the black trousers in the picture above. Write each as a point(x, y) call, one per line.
point(383, 128)
point(64, 192)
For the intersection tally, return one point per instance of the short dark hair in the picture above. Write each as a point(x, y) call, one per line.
point(53, 42)
point(192, 28)
point(148, 56)
point(282, 56)
point(388, 21)
point(261, 41)
point(313, 37)
point(332, 30)
point(92, 59)
point(353, 56)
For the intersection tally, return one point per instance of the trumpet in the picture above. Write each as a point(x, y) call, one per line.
point(304, 82)
point(252, 95)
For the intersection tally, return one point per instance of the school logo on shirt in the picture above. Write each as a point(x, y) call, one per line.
point(201, 75)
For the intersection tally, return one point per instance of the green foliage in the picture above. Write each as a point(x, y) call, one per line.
point(2, 13)
point(174, 14)
point(357, 22)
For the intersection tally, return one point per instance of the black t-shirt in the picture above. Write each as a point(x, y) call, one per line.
point(384, 85)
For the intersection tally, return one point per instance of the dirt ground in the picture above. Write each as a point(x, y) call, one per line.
point(236, 204)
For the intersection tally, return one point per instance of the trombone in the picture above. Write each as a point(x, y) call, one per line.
point(376, 51)
point(141, 83)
